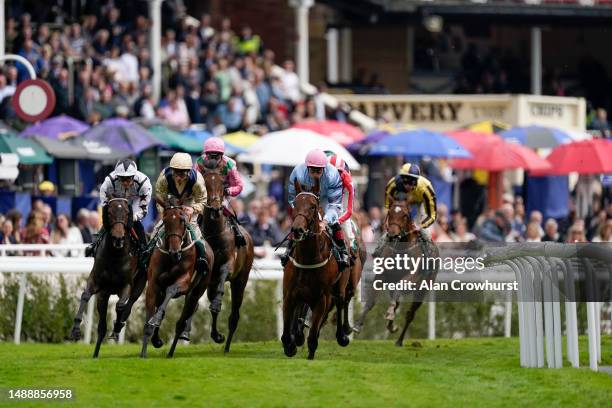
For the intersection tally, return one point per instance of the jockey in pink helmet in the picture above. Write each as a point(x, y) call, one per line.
point(317, 168)
point(214, 158)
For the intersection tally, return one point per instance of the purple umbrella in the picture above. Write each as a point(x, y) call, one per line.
point(58, 128)
point(362, 147)
point(122, 134)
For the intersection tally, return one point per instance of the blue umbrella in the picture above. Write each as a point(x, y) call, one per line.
point(536, 137)
point(202, 135)
point(362, 146)
point(417, 143)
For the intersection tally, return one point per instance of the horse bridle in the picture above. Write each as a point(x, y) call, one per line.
point(173, 234)
point(403, 232)
point(127, 203)
point(213, 199)
point(309, 222)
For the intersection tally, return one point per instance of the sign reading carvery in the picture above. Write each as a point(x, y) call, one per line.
point(443, 112)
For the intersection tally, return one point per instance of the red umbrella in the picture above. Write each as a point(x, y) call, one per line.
point(340, 132)
point(473, 140)
point(593, 156)
point(498, 155)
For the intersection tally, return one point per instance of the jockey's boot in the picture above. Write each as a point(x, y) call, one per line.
point(238, 237)
point(284, 258)
point(343, 256)
point(201, 265)
point(90, 251)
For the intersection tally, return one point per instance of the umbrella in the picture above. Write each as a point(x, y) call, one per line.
point(418, 142)
point(488, 126)
point(340, 132)
point(363, 146)
point(592, 156)
point(197, 134)
point(29, 152)
point(80, 148)
point(289, 148)
point(122, 134)
point(499, 155)
point(176, 140)
point(472, 140)
point(242, 140)
point(536, 136)
point(59, 127)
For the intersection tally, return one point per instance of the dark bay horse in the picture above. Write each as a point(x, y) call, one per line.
point(231, 262)
point(114, 272)
point(402, 237)
point(172, 274)
point(312, 277)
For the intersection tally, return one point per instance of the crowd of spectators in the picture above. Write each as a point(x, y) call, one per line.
point(213, 72)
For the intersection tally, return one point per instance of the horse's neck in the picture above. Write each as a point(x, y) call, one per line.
point(116, 252)
point(310, 249)
point(213, 225)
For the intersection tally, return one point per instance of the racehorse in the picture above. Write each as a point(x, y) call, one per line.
point(312, 278)
point(172, 274)
point(403, 237)
point(115, 272)
point(231, 262)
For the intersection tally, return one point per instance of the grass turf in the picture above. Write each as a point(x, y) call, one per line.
point(466, 372)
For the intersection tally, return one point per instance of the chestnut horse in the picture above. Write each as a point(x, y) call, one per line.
point(231, 262)
point(115, 272)
point(312, 277)
point(172, 274)
point(402, 237)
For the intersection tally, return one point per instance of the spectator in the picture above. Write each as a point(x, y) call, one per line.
point(576, 234)
point(47, 214)
point(250, 218)
point(290, 81)
point(93, 222)
point(82, 223)
point(441, 230)
point(15, 217)
point(550, 231)
point(604, 233)
point(175, 112)
point(600, 122)
point(65, 233)
point(532, 233)
point(7, 233)
point(495, 229)
point(35, 232)
point(461, 233)
point(265, 229)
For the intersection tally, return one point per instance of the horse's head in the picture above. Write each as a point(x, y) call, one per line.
point(118, 219)
point(399, 220)
point(175, 226)
point(305, 212)
point(213, 180)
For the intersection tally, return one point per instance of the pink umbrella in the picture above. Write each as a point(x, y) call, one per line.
point(340, 132)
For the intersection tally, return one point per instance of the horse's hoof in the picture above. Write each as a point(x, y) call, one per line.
point(356, 329)
point(300, 339)
point(343, 340)
point(184, 336)
point(391, 328)
point(74, 336)
point(157, 342)
point(348, 330)
point(114, 336)
point(290, 350)
point(217, 337)
point(311, 355)
point(399, 344)
point(155, 321)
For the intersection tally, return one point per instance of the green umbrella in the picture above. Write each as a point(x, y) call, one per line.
point(28, 151)
point(176, 140)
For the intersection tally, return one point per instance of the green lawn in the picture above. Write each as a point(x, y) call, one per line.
point(469, 372)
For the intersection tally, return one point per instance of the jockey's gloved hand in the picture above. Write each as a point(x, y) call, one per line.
point(138, 215)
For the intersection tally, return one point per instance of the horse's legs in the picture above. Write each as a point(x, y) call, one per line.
point(102, 308)
point(161, 311)
point(289, 319)
point(216, 298)
point(237, 287)
point(319, 310)
point(189, 308)
point(186, 334)
point(390, 314)
point(414, 306)
point(370, 302)
point(122, 304)
point(303, 315)
point(75, 333)
point(139, 284)
point(341, 337)
point(150, 300)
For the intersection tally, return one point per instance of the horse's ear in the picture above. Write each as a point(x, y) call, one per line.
point(298, 186)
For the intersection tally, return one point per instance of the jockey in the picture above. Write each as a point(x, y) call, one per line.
point(347, 184)
point(418, 190)
point(316, 167)
point(181, 182)
point(214, 149)
point(126, 181)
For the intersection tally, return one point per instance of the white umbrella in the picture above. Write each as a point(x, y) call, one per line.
point(289, 148)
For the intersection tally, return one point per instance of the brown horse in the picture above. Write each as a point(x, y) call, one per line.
point(312, 278)
point(231, 262)
point(402, 237)
point(172, 274)
point(114, 272)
